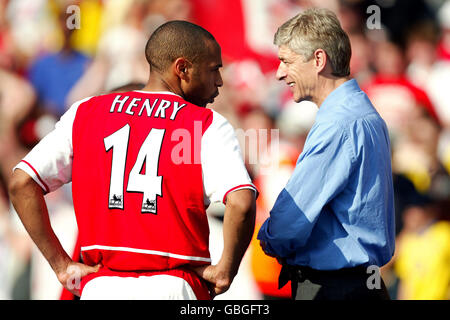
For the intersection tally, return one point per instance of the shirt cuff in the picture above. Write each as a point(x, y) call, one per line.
point(262, 236)
point(242, 186)
point(32, 172)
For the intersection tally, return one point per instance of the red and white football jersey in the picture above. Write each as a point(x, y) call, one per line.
point(144, 167)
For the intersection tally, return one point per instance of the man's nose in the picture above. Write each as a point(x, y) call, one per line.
point(219, 80)
point(281, 72)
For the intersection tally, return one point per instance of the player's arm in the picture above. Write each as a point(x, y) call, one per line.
point(27, 198)
point(44, 169)
point(238, 226)
point(226, 179)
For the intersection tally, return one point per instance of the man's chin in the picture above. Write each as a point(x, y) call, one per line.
point(197, 102)
point(203, 104)
point(298, 100)
point(211, 100)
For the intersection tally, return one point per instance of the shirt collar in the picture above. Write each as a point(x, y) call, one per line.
point(339, 94)
point(158, 92)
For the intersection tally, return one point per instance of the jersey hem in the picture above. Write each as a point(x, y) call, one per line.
point(145, 251)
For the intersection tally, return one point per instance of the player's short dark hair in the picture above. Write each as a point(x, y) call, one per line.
point(175, 39)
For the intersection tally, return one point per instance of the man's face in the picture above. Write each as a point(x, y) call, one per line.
point(206, 78)
point(299, 75)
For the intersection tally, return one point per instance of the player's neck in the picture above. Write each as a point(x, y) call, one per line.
point(158, 83)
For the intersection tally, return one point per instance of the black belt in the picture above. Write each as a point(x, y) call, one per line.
point(297, 274)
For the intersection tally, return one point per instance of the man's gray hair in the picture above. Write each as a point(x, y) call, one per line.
point(317, 29)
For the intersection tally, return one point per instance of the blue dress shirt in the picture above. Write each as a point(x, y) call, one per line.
point(337, 209)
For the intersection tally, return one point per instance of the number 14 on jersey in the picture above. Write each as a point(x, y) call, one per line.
point(148, 183)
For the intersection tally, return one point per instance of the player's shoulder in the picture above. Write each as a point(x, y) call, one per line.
point(219, 120)
point(219, 126)
point(75, 105)
point(73, 109)
point(213, 119)
point(104, 97)
point(98, 100)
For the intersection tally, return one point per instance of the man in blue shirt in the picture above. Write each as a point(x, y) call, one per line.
point(334, 221)
point(53, 75)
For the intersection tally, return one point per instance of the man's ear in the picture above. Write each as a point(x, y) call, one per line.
point(320, 60)
point(182, 68)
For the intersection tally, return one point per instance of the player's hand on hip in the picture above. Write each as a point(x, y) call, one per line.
point(218, 279)
point(70, 276)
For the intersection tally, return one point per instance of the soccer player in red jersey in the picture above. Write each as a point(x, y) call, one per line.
point(144, 166)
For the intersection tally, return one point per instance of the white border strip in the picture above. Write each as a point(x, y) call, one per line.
point(134, 250)
point(158, 92)
point(22, 165)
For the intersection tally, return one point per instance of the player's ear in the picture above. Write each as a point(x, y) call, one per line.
point(182, 68)
point(320, 60)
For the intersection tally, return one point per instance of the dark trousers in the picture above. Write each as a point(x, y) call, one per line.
point(343, 284)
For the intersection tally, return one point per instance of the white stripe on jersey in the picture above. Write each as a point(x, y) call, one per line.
point(134, 250)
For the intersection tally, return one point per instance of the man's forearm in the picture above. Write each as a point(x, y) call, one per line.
point(28, 199)
point(238, 227)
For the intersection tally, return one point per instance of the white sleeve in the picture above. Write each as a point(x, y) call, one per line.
point(49, 163)
point(222, 165)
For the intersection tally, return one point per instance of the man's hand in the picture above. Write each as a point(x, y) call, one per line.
point(238, 226)
point(70, 275)
point(219, 280)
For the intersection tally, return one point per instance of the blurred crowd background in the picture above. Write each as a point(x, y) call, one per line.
point(55, 52)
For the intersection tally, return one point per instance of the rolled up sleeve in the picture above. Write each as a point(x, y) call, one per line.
point(322, 171)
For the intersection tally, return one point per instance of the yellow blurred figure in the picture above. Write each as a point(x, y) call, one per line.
point(447, 159)
point(85, 39)
point(423, 262)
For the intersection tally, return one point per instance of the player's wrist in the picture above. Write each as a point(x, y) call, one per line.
point(226, 271)
point(59, 264)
